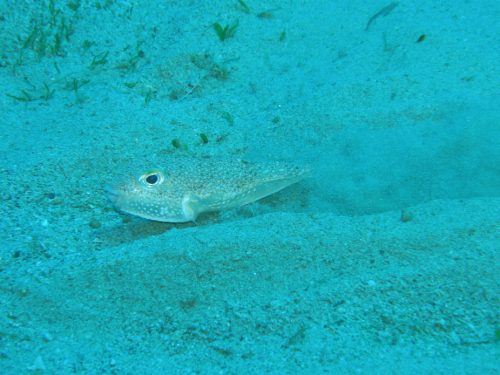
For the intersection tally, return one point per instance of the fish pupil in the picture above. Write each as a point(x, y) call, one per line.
point(152, 179)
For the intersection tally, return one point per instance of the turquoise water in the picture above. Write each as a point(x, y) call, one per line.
point(383, 261)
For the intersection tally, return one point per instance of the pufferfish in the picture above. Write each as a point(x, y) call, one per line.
point(185, 187)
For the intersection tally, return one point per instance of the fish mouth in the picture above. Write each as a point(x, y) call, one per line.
point(117, 199)
point(112, 194)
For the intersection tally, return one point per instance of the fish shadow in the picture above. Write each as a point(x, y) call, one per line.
point(135, 228)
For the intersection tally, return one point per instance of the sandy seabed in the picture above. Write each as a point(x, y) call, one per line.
point(385, 261)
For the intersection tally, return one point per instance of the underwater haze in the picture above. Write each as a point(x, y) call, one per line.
point(347, 154)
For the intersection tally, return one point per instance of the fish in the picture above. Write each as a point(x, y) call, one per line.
point(179, 189)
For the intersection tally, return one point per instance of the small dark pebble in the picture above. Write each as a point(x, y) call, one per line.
point(94, 224)
point(176, 143)
point(405, 216)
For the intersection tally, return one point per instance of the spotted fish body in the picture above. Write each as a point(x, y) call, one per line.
point(186, 187)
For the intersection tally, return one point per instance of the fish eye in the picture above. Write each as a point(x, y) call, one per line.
point(153, 178)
